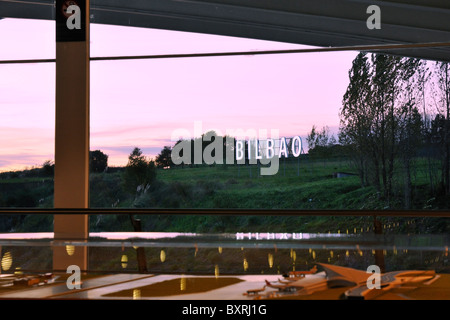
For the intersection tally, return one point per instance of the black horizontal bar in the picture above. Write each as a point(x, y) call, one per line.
point(256, 212)
point(287, 51)
point(250, 53)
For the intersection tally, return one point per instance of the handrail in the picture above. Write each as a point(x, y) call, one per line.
point(237, 211)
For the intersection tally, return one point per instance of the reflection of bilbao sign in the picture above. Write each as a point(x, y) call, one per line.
point(70, 20)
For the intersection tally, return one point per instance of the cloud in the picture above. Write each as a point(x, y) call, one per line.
point(16, 162)
point(22, 148)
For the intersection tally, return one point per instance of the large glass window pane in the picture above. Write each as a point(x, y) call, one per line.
point(141, 108)
point(144, 103)
point(149, 104)
point(27, 113)
point(27, 94)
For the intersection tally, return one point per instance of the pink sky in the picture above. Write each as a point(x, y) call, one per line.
point(141, 102)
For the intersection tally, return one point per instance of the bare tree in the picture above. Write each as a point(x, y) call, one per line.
point(442, 72)
point(356, 116)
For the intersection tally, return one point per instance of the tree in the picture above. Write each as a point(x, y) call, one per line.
point(311, 138)
point(139, 172)
point(410, 125)
point(48, 168)
point(356, 116)
point(98, 161)
point(379, 118)
point(164, 158)
point(320, 142)
point(442, 72)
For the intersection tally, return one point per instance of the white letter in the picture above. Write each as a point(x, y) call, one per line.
point(73, 281)
point(269, 149)
point(239, 150)
point(283, 148)
point(74, 21)
point(229, 309)
point(262, 309)
point(257, 155)
point(213, 310)
point(274, 161)
point(374, 281)
point(296, 138)
point(374, 21)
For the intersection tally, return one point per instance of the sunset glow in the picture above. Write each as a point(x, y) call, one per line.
point(139, 103)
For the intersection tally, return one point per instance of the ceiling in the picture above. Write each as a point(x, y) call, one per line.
point(322, 23)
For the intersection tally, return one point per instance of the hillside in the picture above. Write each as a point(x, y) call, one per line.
point(299, 184)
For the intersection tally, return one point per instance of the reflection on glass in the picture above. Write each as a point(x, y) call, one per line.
point(270, 258)
point(401, 252)
point(7, 261)
point(124, 261)
point(245, 264)
point(162, 256)
point(70, 249)
point(136, 294)
point(216, 271)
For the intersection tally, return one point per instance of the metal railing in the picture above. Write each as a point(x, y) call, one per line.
point(237, 211)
